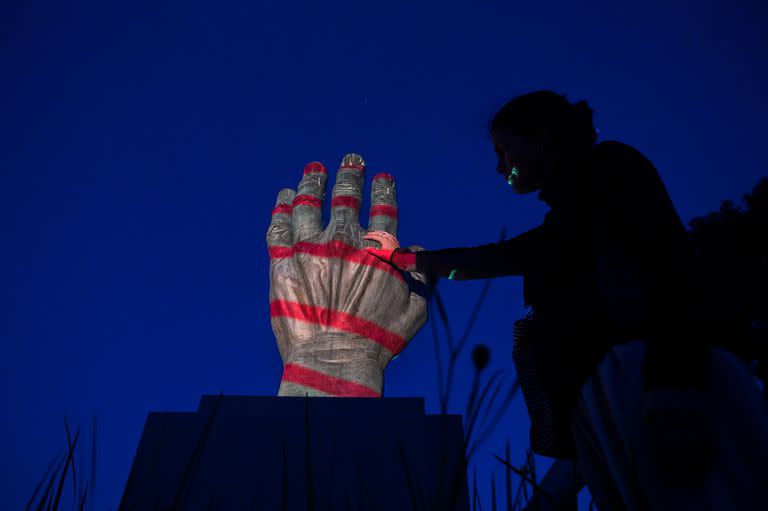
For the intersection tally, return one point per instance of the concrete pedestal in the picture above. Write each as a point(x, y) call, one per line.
point(294, 453)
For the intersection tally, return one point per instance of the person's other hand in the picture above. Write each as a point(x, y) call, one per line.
point(339, 313)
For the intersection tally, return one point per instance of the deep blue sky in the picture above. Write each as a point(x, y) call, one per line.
point(142, 145)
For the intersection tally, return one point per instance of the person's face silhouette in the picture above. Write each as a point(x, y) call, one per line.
point(534, 159)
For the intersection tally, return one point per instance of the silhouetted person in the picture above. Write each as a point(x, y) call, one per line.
point(612, 369)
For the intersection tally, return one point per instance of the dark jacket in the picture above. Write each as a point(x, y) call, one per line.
point(611, 262)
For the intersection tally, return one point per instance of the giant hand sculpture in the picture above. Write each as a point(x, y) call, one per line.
point(339, 313)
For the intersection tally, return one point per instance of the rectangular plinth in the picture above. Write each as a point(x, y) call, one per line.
point(291, 453)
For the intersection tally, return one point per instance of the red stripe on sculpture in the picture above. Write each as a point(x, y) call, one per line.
point(354, 167)
point(346, 252)
point(280, 252)
point(282, 208)
point(335, 249)
point(345, 201)
point(306, 200)
point(383, 175)
point(383, 209)
point(338, 320)
point(338, 387)
point(315, 166)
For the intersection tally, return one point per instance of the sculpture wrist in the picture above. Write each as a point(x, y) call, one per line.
point(334, 364)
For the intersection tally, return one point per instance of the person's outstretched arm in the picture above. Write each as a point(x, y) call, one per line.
point(509, 257)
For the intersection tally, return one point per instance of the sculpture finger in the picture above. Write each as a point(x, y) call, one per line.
point(280, 232)
point(308, 204)
point(383, 213)
point(346, 198)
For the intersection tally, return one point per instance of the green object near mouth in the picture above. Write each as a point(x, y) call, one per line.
point(452, 274)
point(512, 175)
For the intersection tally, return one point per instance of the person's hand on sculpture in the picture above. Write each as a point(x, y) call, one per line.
point(339, 313)
point(390, 250)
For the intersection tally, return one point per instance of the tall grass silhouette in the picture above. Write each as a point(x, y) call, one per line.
point(60, 466)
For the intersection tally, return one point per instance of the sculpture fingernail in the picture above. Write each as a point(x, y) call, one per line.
point(285, 196)
point(313, 167)
point(353, 160)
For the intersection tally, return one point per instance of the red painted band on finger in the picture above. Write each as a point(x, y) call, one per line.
point(282, 208)
point(346, 201)
point(383, 209)
point(333, 385)
point(306, 200)
point(280, 252)
point(383, 175)
point(338, 320)
point(315, 166)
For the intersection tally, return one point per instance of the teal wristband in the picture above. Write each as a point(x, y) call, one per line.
point(452, 274)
